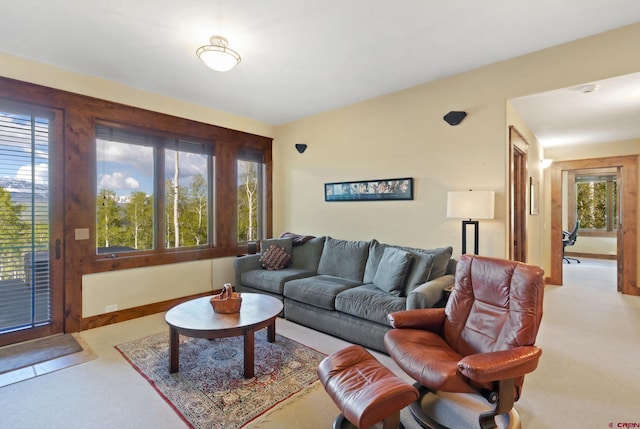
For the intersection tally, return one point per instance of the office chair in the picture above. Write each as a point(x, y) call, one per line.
point(483, 342)
point(569, 239)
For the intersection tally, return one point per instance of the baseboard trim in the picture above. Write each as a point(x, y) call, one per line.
point(135, 312)
point(591, 255)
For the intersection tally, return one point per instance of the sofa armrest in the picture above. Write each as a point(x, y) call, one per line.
point(430, 293)
point(242, 264)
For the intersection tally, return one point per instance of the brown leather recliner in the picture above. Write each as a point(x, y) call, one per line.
point(482, 342)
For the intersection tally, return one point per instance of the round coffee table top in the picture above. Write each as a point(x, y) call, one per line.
point(198, 314)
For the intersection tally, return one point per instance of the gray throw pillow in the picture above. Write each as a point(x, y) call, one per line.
point(376, 250)
point(392, 270)
point(344, 259)
point(420, 270)
point(441, 256)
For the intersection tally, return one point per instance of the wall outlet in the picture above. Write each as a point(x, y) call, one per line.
point(109, 308)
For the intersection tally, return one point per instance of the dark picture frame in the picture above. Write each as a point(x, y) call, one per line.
point(370, 190)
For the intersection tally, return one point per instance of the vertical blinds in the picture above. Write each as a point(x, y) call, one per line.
point(24, 221)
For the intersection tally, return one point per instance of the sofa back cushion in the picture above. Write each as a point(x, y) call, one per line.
point(376, 250)
point(343, 258)
point(307, 256)
point(392, 270)
point(441, 256)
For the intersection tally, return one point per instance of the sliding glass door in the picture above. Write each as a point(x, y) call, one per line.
point(31, 293)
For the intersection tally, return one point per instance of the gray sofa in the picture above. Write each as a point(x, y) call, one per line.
point(347, 288)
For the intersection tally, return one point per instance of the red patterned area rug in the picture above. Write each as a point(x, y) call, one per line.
point(210, 391)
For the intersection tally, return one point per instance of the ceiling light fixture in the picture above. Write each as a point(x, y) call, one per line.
point(217, 56)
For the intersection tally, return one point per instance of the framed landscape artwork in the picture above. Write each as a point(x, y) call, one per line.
point(370, 190)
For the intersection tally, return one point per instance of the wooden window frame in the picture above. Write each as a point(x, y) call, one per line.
point(81, 114)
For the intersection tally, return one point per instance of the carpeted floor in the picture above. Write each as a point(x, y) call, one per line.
point(32, 352)
point(210, 390)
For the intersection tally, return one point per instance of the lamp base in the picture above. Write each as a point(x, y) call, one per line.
point(465, 224)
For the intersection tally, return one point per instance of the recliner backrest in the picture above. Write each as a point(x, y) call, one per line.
point(495, 305)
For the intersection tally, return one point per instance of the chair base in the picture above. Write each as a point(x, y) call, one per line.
point(568, 259)
point(486, 421)
point(392, 422)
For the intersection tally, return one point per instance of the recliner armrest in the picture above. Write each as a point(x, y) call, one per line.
point(429, 319)
point(500, 365)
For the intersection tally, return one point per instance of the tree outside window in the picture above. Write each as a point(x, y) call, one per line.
point(129, 168)
point(250, 194)
point(596, 201)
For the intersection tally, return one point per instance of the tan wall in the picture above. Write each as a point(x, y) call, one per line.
point(398, 135)
point(403, 134)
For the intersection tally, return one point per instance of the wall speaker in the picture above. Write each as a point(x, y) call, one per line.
point(454, 117)
point(301, 147)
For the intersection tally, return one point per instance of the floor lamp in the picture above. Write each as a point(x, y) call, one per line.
point(470, 205)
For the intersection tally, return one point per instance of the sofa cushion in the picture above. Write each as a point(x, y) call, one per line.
point(441, 256)
point(420, 270)
point(343, 258)
point(272, 281)
point(392, 270)
point(319, 291)
point(307, 255)
point(370, 303)
point(376, 250)
point(275, 258)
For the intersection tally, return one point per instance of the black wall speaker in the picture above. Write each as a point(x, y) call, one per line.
point(301, 147)
point(454, 117)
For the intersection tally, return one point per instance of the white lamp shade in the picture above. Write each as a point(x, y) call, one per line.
point(470, 204)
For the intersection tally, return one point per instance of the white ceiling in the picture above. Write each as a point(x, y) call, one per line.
point(594, 112)
point(301, 57)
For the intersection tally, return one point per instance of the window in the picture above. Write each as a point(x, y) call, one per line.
point(24, 221)
point(153, 191)
point(595, 195)
point(250, 196)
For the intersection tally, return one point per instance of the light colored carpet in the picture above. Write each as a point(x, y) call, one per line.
point(587, 377)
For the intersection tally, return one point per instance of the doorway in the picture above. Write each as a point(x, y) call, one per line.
point(518, 196)
point(627, 220)
point(31, 268)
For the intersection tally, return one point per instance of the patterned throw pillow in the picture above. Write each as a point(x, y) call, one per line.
point(275, 258)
